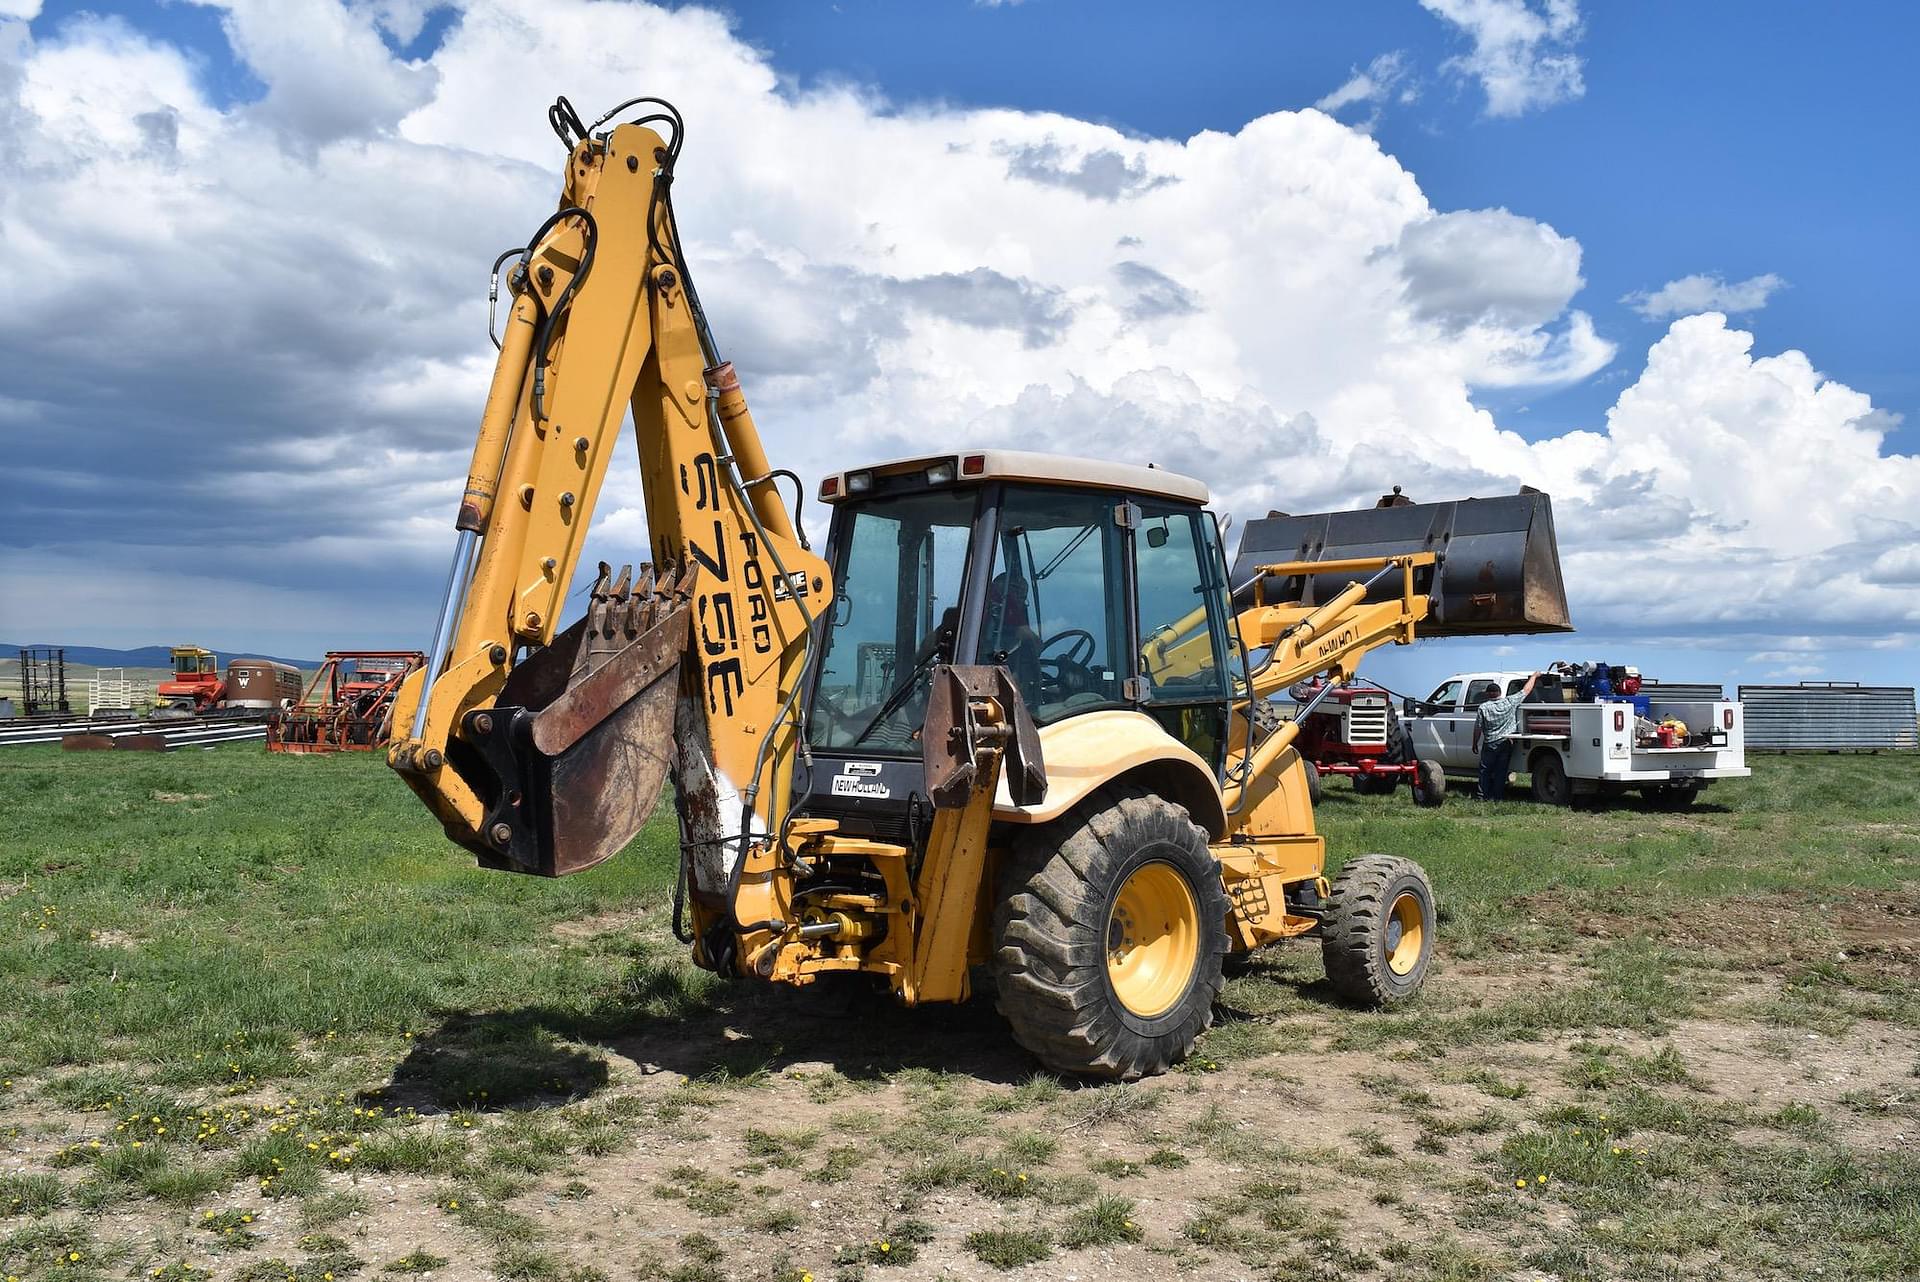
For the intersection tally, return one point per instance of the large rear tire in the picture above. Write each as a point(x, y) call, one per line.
point(1109, 936)
point(1376, 937)
point(1549, 775)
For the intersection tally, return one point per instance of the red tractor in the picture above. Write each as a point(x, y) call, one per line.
point(1355, 732)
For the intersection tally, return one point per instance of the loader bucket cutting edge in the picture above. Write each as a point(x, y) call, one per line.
point(574, 754)
point(1497, 570)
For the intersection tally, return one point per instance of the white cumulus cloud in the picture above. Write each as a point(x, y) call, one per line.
point(1704, 293)
point(253, 340)
point(1522, 55)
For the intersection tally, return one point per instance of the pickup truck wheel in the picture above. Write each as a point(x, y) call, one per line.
point(1109, 936)
point(1429, 784)
point(1670, 796)
point(1376, 936)
point(1550, 786)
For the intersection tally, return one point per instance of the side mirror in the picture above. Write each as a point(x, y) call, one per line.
point(1157, 537)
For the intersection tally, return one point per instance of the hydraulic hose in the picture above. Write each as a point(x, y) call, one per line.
point(543, 336)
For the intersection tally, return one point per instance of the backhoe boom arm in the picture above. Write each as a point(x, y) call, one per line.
point(543, 750)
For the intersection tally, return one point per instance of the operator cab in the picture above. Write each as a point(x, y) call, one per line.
point(194, 662)
point(1097, 585)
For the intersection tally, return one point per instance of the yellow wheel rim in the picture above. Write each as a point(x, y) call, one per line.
point(1406, 933)
point(1153, 940)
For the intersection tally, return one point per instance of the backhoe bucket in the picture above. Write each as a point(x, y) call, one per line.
point(1497, 572)
point(573, 754)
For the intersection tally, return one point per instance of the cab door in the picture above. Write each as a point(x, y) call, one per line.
point(1179, 591)
point(1436, 733)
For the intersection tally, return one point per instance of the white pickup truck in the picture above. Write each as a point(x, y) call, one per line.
point(1586, 749)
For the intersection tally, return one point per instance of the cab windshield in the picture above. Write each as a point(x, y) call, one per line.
point(899, 565)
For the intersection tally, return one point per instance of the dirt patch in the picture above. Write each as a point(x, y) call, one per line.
point(1885, 923)
point(600, 924)
point(175, 797)
point(1754, 929)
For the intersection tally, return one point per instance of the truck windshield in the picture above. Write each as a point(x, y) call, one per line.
point(898, 566)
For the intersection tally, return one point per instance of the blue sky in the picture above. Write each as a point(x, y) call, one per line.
point(1757, 145)
point(1735, 138)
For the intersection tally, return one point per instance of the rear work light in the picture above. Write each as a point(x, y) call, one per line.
point(859, 482)
point(940, 473)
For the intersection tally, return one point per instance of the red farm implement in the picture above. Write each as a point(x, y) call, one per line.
point(1355, 732)
point(348, 706)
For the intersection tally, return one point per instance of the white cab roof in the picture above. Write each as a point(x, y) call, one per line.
point(1053, 469)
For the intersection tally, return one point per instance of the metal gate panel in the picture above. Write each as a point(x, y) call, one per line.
point(1819, 716)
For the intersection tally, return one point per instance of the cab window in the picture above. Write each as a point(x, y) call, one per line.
point(1447, 695)
point(1480, 691)
point(1054, 610)
point(898, 565)
point(1516, 685)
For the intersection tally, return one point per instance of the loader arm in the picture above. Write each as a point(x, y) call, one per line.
point(543, 750)
point(1330, 640)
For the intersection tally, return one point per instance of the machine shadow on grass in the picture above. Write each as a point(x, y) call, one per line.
point(700, 1028)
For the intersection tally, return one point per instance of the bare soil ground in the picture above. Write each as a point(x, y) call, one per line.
point(1646, 1051)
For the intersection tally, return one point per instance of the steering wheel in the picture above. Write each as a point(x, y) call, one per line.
point(1077, 653)
point(1064, 675)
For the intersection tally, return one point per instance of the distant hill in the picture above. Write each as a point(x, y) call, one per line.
point(147, 656)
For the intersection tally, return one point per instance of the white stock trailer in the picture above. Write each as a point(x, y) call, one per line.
point(1589, 748)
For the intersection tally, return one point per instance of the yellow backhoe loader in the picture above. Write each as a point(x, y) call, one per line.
point(1017, 718)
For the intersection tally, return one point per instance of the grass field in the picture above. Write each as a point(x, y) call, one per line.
point(261, 1022)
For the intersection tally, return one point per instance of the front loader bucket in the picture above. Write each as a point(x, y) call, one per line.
point(573, 754)
point(1497, 569)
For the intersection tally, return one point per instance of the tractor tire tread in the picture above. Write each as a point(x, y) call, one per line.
point(1049, 926)
point(1350, 931)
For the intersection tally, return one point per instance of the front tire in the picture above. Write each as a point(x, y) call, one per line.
point(1314, 785)
point(1429, 784)
point(1376, 937)
point(1109, 936)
